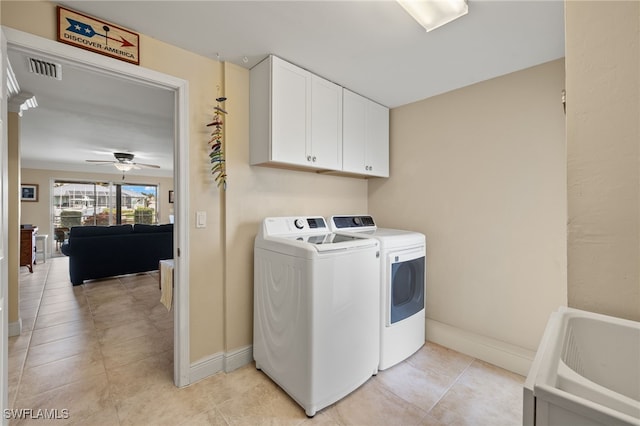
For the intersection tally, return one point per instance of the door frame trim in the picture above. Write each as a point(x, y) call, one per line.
point(32, 44)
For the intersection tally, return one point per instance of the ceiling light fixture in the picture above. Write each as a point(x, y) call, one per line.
point(123, 167)
point(432, 14)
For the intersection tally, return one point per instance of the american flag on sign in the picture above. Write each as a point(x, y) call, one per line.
point(80, 28)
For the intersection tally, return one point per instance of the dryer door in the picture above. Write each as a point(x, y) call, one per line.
point(407, 285)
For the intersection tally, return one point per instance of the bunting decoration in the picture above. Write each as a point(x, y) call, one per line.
point(216, 155)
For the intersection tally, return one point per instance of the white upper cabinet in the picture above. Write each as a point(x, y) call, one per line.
point(299, 119)
point(296, 117)
point(365, 136)
point(325, 147)
point(290, 91)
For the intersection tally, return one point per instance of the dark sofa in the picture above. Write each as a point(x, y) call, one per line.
point(106, 251)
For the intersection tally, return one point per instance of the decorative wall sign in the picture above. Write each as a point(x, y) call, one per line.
point(102, 37)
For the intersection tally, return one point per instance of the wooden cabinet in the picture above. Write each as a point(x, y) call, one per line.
point(28, 247)
point(365, 136)
point(296, 117)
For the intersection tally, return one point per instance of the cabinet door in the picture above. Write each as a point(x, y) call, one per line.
point(290, 90)
point(325, 147)
point(377, 146)
point(353, 132)
point(365, 136)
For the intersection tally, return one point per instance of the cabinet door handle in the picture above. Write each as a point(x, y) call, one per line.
point(314, 159)
point(308, 158)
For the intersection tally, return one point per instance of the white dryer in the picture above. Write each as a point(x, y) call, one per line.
point(316, 297)
point(402, 285)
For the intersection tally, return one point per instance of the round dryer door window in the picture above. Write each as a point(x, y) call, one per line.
point(407, 288)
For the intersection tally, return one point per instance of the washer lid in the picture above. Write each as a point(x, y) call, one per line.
point(325, 242)
point(364, 225)
point(308, 234)
point(324, 239)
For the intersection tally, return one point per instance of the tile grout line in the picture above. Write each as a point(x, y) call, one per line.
point(107, 371)
point(41, 288)
point(31, 336)
point(104, 365)
point(453, 383)
point(444, 393)
point(24, 360)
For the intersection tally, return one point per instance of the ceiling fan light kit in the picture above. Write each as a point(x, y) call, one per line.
point(124, 162)
point(123, 167)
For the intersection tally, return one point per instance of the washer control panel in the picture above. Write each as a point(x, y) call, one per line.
point(294, 225)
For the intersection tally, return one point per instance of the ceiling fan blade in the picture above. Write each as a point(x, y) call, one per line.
point(124, 158)
point(153, 166)
point(100, 161)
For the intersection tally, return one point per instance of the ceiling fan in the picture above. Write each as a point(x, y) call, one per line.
point(124, 162)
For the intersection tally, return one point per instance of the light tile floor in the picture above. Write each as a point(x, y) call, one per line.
point(103, 351)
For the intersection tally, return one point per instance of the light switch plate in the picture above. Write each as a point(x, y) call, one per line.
point(201, 219)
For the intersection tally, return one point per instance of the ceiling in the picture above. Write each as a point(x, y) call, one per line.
point(86, 116)
point(372, 47)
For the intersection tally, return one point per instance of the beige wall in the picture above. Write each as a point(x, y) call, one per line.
point(603, 137)
point(481, 172)
point(256, 192)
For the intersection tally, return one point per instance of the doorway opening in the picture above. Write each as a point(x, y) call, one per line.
point(30, 44)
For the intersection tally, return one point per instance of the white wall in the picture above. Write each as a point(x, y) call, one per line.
point(481, 172)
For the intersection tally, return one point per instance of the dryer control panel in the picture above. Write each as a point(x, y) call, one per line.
point(359, 223)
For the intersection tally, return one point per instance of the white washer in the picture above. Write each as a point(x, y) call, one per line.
point(316, 295)
point(402, 285)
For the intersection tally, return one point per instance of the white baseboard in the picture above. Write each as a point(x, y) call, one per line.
point(206, 367)
point(15, 328)
point(504, 355)
point(237, 358)
point(221, 361)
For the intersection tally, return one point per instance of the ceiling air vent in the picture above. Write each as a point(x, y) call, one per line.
point(45, 68)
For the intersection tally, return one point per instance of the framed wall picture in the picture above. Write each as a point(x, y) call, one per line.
point(171, 196)
point(29, 192)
